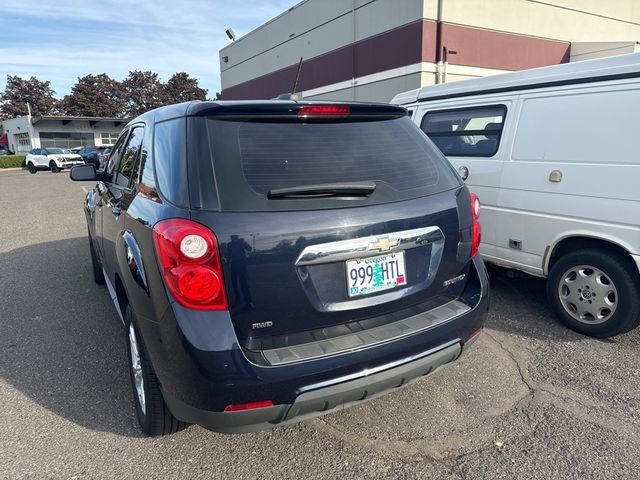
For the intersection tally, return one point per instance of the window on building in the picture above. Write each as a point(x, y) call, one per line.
point(108, 138)
point(472, 132)
point(66, 139)
point(22, 139)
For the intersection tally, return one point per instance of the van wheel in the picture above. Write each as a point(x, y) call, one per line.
point(154, 416)
point(98, 274)
point(32, 168)
point(595, 292)
point(54, 168)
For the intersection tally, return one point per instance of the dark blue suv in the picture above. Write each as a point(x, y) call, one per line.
point(274, 260)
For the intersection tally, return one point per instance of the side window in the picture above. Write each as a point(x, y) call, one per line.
point(129, 157)
point(169, 152)
point(114, 158)
point(471, 132)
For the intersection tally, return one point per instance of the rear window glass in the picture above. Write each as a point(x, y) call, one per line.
point(252, 157)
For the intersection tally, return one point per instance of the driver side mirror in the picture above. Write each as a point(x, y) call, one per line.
point(83, 173)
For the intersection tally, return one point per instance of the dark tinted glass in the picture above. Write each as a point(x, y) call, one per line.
point(251, 157)
point(129, 157)
point(170, 160)
point(473, 132)
point(115, 157)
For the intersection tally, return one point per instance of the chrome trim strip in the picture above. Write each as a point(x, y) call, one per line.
point(368, 246)
point(381, 368)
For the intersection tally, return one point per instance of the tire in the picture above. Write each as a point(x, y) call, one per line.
point(54, 168)
point(595, 292)
point(98, 274)
point(32, 168)
point(152, 412)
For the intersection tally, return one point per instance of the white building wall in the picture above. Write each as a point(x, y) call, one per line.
point(20, 125)
point(15, 126)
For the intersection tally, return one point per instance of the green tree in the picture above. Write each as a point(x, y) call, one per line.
point(182, 88)
point(20, 92)
point(95, 96)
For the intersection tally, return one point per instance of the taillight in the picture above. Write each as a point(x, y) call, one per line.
point(476, 229)
point(329, 110)
point(237, 407)
point(189, 260)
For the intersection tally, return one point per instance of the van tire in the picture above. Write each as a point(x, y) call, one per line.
point(32, 168)
point(615, 276)
point(155, 419)
point(54, 167)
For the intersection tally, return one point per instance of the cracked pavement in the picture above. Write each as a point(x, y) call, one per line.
point(532, 400)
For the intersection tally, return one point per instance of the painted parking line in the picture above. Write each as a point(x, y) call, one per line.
point(85, 189)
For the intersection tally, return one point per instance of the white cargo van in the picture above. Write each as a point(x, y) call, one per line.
point(554, 155)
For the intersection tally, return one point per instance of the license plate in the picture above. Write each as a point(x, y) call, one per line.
point(374, 274)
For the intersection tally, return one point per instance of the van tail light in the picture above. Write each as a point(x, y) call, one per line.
point(476, 229)
point(189, 259)
point(323, 110)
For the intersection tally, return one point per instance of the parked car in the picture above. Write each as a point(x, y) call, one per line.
point(553, 154)
point(274, 261)
point(96, 155)
point(51, 158)
point(5, 150)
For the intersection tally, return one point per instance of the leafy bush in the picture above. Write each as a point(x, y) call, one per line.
point(12, 161)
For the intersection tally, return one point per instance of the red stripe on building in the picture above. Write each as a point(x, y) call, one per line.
point(394, 48)
point(407, 45)
point(476, 47)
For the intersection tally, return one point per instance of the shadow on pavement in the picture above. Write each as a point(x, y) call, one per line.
point(62, 344)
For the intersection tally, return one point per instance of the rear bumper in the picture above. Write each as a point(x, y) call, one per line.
point(320, 400)
point(202, 369)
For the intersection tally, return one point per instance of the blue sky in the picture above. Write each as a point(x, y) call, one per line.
point(64, 39)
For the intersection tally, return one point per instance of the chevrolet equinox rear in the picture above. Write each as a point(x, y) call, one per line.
point(273, 261)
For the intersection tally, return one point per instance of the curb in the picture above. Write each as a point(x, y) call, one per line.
point(12, 169)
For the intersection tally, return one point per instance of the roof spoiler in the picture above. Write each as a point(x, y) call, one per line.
point(289, 96)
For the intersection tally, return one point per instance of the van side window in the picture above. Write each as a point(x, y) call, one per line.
point(471, 132)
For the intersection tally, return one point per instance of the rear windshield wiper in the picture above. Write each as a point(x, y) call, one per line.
point(363, 189)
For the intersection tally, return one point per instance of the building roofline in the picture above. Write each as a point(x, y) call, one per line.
point(39, 118)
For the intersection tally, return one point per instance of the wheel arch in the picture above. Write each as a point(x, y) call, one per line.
point(578, 241)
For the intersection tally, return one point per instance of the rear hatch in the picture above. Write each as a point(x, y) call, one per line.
point(327, 223)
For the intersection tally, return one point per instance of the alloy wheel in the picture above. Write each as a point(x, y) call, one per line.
point(588, 294)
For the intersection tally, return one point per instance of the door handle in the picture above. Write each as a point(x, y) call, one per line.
point(464, 172)
point(116, 211)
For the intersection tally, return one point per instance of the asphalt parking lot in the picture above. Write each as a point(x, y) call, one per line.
point(532, 400)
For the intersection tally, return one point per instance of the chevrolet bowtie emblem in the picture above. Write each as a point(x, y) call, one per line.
point(383, 245)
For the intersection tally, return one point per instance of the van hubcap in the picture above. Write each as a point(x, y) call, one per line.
point(588, 294)
point(136, 368)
